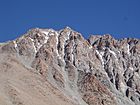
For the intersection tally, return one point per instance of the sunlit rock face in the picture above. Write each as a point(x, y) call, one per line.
point(96, 71)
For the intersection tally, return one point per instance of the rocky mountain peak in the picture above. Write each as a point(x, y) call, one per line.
point(99, 71)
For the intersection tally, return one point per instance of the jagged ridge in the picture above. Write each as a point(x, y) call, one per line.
point(97, 71)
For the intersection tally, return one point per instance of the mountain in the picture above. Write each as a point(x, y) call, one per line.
point(48, 67)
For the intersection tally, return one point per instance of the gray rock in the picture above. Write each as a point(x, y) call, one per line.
point(97, 71)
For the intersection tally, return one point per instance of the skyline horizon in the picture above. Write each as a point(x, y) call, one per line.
point(86, 37)
point(119, 18)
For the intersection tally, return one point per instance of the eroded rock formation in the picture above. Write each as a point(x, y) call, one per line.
point(97, 71)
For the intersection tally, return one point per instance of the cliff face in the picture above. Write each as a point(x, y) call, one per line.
point(97, 71)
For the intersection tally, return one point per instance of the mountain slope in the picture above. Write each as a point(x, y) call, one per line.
point(61, 67)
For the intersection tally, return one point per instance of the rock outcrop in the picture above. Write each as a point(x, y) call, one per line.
point(98, 71)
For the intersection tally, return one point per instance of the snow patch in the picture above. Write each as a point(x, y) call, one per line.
point(35, 50)
point(57, 41)
point(51, 33)
point(38, 45)
point(46, 39)
point(113, 53)
point(31, 39)
point(128, 49)
point(90, 47)
point(59, 57)
point(67, 37)
point(45, 32)
point(131, 68)
point(64, 43)
point(72, 57)
point(100, 57)
point(102, 53)
point(15, 44)
point(88, 71)
point(46, 36)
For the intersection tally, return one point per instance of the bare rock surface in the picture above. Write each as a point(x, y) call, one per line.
point(48, 67)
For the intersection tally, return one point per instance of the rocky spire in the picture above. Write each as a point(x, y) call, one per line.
point(97, 71)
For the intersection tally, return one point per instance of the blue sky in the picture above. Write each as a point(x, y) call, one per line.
point(120, 18)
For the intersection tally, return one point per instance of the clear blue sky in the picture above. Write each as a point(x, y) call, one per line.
point(120, 18)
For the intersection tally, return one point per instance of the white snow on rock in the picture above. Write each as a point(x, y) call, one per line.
point(57, 41)
point(46, 39)
point(100, 57)
point(113, 53)
point(90, 47)
point(45, 32)
point(35, 50)
point(15, 44)
point(46, 36)
point(72, 57)
point(128, 49)
point(131, 68)
point(57, 45)
point(102, 53)
point(65, 38)
point(88, 71)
